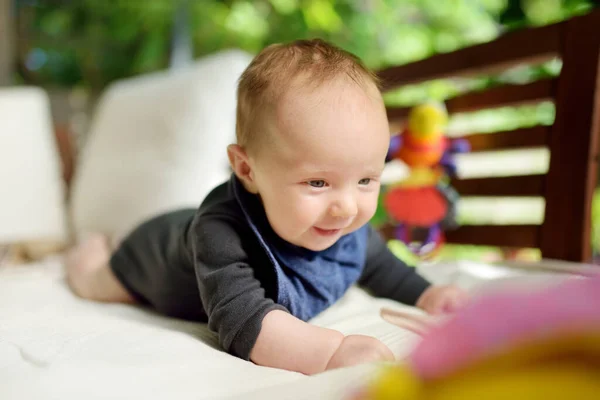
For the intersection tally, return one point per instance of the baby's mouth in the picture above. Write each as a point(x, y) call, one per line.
point(326, 232)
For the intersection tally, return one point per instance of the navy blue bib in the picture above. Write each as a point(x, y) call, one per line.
point(308, 281)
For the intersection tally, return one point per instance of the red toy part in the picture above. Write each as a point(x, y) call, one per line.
point(420, 206)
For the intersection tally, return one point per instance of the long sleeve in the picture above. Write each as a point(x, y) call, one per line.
point(385, 275)
point(233, 297)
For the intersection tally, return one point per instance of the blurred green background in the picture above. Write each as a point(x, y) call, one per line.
point(85, 45)
point(93, 42)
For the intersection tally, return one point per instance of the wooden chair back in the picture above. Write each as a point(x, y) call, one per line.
point(572, 139)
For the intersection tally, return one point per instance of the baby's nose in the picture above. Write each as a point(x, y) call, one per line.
point(344, 208)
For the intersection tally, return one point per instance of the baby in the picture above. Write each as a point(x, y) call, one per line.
point(287, 234)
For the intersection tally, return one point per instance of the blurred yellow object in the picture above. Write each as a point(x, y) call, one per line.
point(395, 383)
point(420, 177)
point(556, 368)
point(428, 120)
point(423, 140)
point(552, 382)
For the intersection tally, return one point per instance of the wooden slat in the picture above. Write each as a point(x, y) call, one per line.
point(7, 37)
point(397, 113)
point(489, 235)
point(537, 136)
point(66, 150)
point(387, 231)
point(534, 45)
point(496, 235)
point(529, 185)
point(574, 145)
point(508, 95)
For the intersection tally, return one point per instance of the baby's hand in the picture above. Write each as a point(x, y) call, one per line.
point(359, 349)
point(442, 299)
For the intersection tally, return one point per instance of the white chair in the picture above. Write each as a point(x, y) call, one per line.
point(32, 191)
point(157, 142)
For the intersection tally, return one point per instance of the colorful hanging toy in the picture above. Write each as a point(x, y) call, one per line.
point(423, 204)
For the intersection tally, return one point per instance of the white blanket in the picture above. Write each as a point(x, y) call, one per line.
point(54, 345)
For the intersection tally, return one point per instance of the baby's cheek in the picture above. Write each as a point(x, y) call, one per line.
point(303, 212)
point(367, 207)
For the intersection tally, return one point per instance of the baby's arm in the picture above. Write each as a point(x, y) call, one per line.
point(387, 276)
point(288, 343)
point(251, 325)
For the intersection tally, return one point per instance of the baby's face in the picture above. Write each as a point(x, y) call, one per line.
point(319, 177)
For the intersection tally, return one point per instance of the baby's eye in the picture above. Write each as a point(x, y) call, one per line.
point(317, 183)
point(364, 181)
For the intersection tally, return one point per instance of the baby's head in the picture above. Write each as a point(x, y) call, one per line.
point(312, 136)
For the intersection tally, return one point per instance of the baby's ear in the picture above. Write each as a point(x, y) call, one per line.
point(240, 163)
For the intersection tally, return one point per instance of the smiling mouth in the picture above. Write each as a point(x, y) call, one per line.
point(326, 232)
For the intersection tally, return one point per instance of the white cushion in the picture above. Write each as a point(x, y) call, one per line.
point(31, 187)
point(157, 143)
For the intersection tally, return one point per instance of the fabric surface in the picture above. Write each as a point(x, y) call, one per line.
point(150, 264)
point(54, 345)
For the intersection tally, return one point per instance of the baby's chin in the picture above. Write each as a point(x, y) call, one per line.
point(318, 241)
point(319, 246)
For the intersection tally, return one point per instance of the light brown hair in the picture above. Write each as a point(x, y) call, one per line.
point(277, 68)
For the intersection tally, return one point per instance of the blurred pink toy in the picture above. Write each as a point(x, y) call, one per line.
point(509, 317)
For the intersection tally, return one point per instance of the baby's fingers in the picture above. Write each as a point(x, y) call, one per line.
point(455, 301)
point(415, 323)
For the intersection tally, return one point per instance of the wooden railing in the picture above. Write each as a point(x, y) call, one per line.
point(572, 140)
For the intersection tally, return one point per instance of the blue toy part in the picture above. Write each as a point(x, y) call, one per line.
point(447, 162)
point(430, 243)
point(395, 144)
point(460, 146)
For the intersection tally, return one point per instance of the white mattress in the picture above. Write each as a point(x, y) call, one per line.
point(54, 345)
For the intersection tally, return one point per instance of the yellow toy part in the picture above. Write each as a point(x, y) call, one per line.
point(428, 121)
point(565, 367)
point(423, 140)
point(421, 177)
point(395, 383)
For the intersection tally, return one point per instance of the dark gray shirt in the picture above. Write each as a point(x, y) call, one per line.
point(237, 282)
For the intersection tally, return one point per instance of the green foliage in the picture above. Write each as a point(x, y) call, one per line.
point(380, 217)
point(93, 42)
